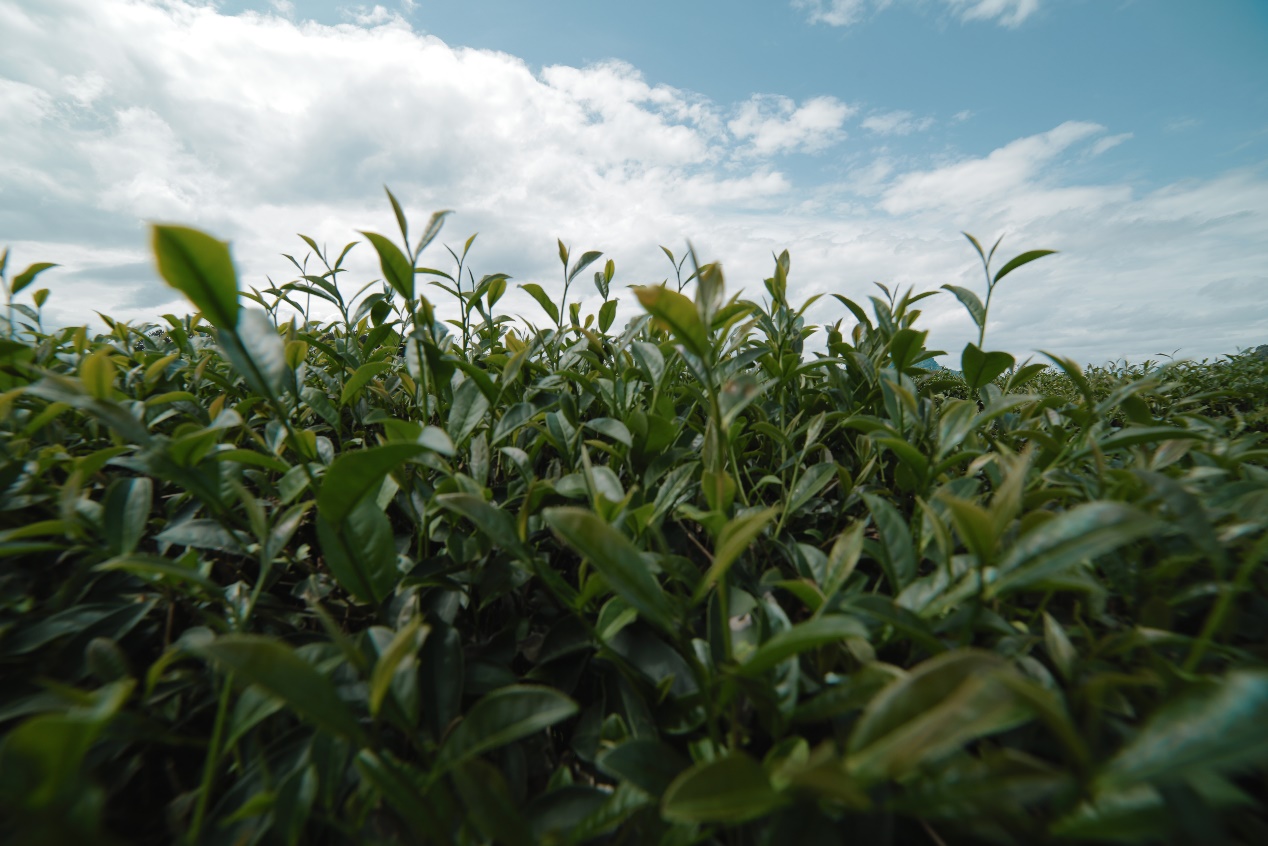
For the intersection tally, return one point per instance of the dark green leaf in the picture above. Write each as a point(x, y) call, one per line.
point(355, 474)
point(1214, 726)
point(617, 560)
point(981, 368)
point(504, 716)
point(274, 667)
point(1024, 258)
point(732, 789)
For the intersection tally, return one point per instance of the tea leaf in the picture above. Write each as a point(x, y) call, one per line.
point(201, 268)
point(617, 560)
point(732, 789)
point(504, 716)
point(274, 667)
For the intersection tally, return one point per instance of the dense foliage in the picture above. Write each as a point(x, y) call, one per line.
point(391, 579)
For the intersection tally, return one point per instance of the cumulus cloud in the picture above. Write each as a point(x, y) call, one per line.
point(257, 126)
point(896, 123)
point(773, 124)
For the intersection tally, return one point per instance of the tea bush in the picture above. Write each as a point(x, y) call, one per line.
point(389, 578)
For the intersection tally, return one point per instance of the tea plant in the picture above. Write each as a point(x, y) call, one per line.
point(392, 579)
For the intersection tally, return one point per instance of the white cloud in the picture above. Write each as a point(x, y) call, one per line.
point(833, 12)
point(773, 124)
point(996, 179)
point(961, 116)
point(1008, 13)
point(896, 123)
point(256, 127)
point(1109, 143)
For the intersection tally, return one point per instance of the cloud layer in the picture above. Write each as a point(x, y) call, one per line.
point(256, 127)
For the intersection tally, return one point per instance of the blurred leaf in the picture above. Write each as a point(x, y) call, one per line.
point(27, 276)
point(274, 667)
point(732, 789)
point(490, 806)
point(940, 705)
point(201, 268)
point(830, 628)
point(258, 353)
point(649, 765)
point(501, 717)
point(1214, 726)
point(1082, 533)
point(402, 650)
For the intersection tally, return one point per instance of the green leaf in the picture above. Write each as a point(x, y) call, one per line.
point(732, 789)
point(736, 537)
point(360, 551)
point(405, 644)
point(397, 269)
point(355, 474)
point(27, 276)
point(617, 560)
point(361, 378)
point(939, 706)
point(582, 263)
point(489, 804)
point(160, 568)
point(679, 314)
point(971, 302)
point(258, 353)
point(982, 368)
point(810, 483)
point(504, 716)
point(830, 628)
point(607, 314)
point(1024, 258)
point(126, 509)
point(612, 428)
point(400, 214)
point(842, 560)
point(432, 230)
point(274, 667)
point(1214, 726)
point(1083, 532)
point(497, 524)
point(648, 764)
point(468, 410)
point(200, 267)
point(895, 538)
point(1063, 654)
point(535, 291)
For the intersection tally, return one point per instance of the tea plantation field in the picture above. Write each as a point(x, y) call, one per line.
point(696, 579)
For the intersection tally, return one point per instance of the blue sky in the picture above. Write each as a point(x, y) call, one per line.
point(862, 135)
